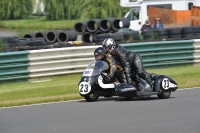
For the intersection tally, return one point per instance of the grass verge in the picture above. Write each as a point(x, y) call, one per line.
point(38, 24)
point(65, 88)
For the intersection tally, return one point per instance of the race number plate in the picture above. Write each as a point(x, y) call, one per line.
point(84, 88)
point(166, 84)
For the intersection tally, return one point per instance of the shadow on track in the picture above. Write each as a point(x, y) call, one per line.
point(121, 99)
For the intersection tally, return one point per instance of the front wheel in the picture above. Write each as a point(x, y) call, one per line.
point(164, 94)
point(91, 97)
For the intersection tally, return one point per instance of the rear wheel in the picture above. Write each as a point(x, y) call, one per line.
point(164, 94)
point(91, 97)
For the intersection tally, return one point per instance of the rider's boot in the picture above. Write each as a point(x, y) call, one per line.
point(153, 76)
point(147, 77)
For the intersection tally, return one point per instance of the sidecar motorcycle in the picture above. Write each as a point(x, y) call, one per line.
point(92, 85)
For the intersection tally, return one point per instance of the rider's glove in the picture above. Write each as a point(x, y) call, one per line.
point(106, 75)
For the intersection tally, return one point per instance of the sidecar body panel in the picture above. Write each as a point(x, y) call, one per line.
point(163, 82)
point(126, 91)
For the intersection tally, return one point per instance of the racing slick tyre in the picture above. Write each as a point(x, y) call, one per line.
point(91, 97)
point(164, 94)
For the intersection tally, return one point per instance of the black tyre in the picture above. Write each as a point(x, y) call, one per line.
point(22, 42)
point(125, 23)
point(51, 36)
point(116, 36)
point(175, 31)
point(162, 32)
point(127, 35)
point(29, 35)
point(135, 34)
point(163, 37)
point(9, 39)
point(189, 36)
point(36, 43)
point(147, 33)
point(102, 37)
point(147, 38)
point(164, 94)
point(175, 36)
point(71, 35)
point(190, 29)
point(87, 37)
point(97, 33)
point(93, 25)
point(91, 97)
point(105, 25)
point(80, 28)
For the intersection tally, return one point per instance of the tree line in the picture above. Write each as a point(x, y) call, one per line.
point(15, 9)
point(61, 9)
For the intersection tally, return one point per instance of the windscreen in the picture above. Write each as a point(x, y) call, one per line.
point(95, 68)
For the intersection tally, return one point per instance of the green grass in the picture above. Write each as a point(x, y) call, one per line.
point(65, 88)
point(36, 24)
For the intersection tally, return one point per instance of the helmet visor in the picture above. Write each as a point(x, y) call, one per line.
point(98, 56)
point(107, 49)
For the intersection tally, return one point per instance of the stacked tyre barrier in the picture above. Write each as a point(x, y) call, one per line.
point(54, 35)
point(14, 43)
point(38, 40)
point(95, 30)
point(190, 32)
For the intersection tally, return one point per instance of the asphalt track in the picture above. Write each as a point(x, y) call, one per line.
point(178, 114)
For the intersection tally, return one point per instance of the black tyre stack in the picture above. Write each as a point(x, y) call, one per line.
point(191, 32)
point(96, 30)
point(162, 33)
point(147, 34)
point(175, 33)
point(53, 36)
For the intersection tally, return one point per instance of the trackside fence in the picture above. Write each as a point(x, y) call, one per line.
point(35, 65)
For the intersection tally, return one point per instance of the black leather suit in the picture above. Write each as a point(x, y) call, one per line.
point(115, 69)
point(131, 62)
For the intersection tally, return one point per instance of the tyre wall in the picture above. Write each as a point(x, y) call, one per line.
point(96, 30)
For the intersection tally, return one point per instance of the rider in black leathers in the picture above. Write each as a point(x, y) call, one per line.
point(131, 61)
point(115, 68)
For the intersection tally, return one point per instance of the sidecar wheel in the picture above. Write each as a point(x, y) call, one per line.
point(164, 94)
point(91, 97)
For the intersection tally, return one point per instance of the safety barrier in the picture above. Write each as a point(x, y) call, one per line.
point(36, 65)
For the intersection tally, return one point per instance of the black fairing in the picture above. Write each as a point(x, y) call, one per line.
point(91, 74)
point(158, 83)
point(126, 91)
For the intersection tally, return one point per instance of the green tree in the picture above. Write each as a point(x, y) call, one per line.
point(15, 9)
point(102, 9)
point(83, 9)
point(62, 9)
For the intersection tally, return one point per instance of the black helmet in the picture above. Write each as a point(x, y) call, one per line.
point(99, 53)
point(110, 43)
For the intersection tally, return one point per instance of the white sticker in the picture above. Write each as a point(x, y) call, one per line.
point(166, 84)
point(84, 88)
point(88, 72)
point(104, 86)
